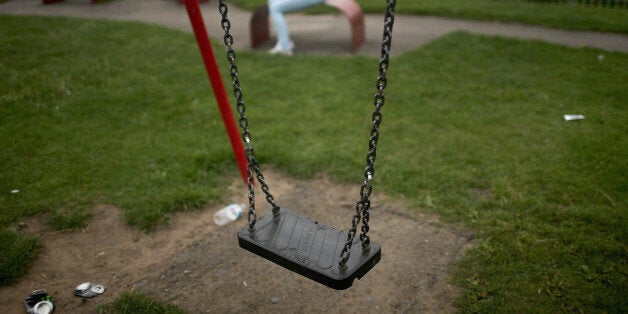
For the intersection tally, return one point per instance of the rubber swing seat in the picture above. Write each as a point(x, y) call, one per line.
point(309, 248)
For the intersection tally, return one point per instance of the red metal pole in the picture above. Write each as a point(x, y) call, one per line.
point(196, 18)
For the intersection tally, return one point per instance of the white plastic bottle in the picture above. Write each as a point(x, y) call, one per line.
point(228, 214)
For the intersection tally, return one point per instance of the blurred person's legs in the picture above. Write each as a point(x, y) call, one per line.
point(277, 8)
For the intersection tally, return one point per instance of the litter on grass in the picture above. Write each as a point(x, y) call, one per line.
point(573, 117)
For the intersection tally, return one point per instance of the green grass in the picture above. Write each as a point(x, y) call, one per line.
point(17, 252)
point(558, 15)
point(69, 217)
point(121, 113)
point(136, 302)
point(104, 123)
point(547, 197)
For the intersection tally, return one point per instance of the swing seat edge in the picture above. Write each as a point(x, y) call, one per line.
point(308, 248)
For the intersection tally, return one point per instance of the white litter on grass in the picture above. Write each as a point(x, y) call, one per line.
point(15, 191)
point(572, 117)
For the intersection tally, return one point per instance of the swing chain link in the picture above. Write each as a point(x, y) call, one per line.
point(252, 165)
point(362, 207)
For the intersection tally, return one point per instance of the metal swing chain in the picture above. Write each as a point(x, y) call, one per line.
point(362, 207)
point(252, 165)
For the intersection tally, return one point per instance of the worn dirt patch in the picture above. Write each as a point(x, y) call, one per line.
point(198, 266)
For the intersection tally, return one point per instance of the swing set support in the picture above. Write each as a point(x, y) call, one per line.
point(202, 38)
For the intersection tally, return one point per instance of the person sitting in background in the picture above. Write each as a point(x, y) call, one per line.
point(277, 9)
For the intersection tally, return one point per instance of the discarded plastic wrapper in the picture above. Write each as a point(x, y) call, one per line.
point(88, 290)
point(572, 117)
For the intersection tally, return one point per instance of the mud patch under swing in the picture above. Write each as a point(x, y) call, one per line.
point(198, 266)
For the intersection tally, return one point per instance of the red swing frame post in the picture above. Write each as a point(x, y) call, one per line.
point(202, 38)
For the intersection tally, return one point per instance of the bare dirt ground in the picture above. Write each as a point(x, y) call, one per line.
point(198, 266)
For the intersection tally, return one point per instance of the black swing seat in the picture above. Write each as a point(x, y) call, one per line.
point(309, 248)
